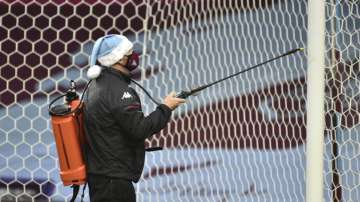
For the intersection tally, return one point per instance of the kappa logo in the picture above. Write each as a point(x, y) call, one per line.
point(126, 95)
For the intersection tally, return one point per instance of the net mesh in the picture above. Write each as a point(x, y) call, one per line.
point(342, 143)
point(242, 140)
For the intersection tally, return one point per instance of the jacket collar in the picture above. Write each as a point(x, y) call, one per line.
point(118, 73)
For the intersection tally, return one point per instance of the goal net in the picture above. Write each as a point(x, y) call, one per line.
point(241, 140)
point(342, 140)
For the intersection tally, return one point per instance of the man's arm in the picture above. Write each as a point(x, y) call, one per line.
point(132, 120)
point(128, 114)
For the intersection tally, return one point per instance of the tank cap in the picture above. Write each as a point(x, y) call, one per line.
point(59, 109)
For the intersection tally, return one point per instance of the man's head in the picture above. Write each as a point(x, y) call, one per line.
point(112, 51)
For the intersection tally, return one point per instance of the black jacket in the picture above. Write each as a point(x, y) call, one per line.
point(116, 127)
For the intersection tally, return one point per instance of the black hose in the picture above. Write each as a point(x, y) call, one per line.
point(146, 92)
point(68, 112)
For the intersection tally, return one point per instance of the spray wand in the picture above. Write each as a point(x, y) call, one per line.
point(186, 94)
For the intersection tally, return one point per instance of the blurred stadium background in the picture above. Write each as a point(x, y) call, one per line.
point(243, 140)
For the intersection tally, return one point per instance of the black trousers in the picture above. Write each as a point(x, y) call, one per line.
point(106, 189)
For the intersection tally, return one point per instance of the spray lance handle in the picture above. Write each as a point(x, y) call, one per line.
point(183, 94)
point(192, 92)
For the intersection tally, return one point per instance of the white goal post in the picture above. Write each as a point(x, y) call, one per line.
point(315, 102)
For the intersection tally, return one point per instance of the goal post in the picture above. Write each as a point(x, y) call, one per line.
point(315, 102)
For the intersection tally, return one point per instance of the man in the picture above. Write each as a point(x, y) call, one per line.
point(114, 123)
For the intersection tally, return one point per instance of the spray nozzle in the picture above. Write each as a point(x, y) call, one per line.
point(72, 85)
point(71, 93)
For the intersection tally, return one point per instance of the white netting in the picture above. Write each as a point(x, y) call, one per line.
point(342, 171)
point(242, 140)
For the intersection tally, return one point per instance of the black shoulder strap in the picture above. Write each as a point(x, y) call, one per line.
point(75, 192)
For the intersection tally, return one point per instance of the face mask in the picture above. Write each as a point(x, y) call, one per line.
point(133, 61)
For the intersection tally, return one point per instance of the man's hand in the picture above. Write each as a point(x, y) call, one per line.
point(172, 102)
